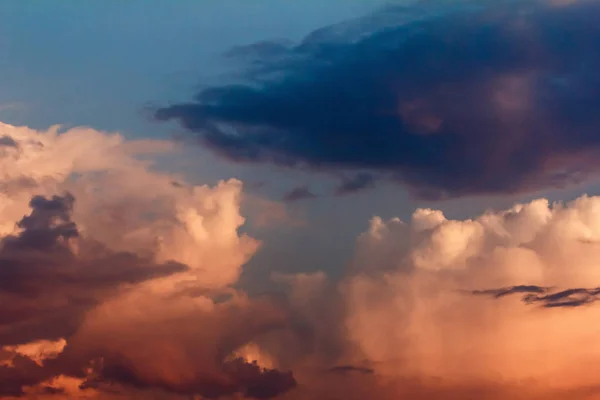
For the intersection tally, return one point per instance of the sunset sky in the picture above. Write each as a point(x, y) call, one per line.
point(298, 200)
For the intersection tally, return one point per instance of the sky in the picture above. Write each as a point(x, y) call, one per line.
point(299, 200)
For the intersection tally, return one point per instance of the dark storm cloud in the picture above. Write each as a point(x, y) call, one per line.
point(545, 296)
point(297, 194)
point(449, 98)
point(45, 286)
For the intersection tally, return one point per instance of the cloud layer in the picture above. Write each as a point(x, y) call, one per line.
point(448, 98)
point(118, 284)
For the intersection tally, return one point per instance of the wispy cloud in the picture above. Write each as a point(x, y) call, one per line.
point(546, 297)
point(297, 194)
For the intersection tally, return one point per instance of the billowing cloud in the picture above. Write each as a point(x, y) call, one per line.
point(494, 295)
point(498, 306)
point(49, 277)
point(117, 284)
point(448, 98)
point(115, 281)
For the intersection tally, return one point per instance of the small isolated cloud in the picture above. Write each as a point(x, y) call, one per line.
point(447, 98)
point(297, 194)
point(357, 183)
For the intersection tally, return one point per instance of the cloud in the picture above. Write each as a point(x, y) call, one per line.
point(404, 310)
point(534, 294)
point(411, 310)
point(50, 276)
point(182, 346)
point(117, 284)
point(404, 315)
point(498, 293)
point(297, 194)
point(566, 298)
point(449, 99)
point(355, 184)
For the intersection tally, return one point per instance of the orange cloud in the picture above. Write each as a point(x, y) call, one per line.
point(118, 284)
